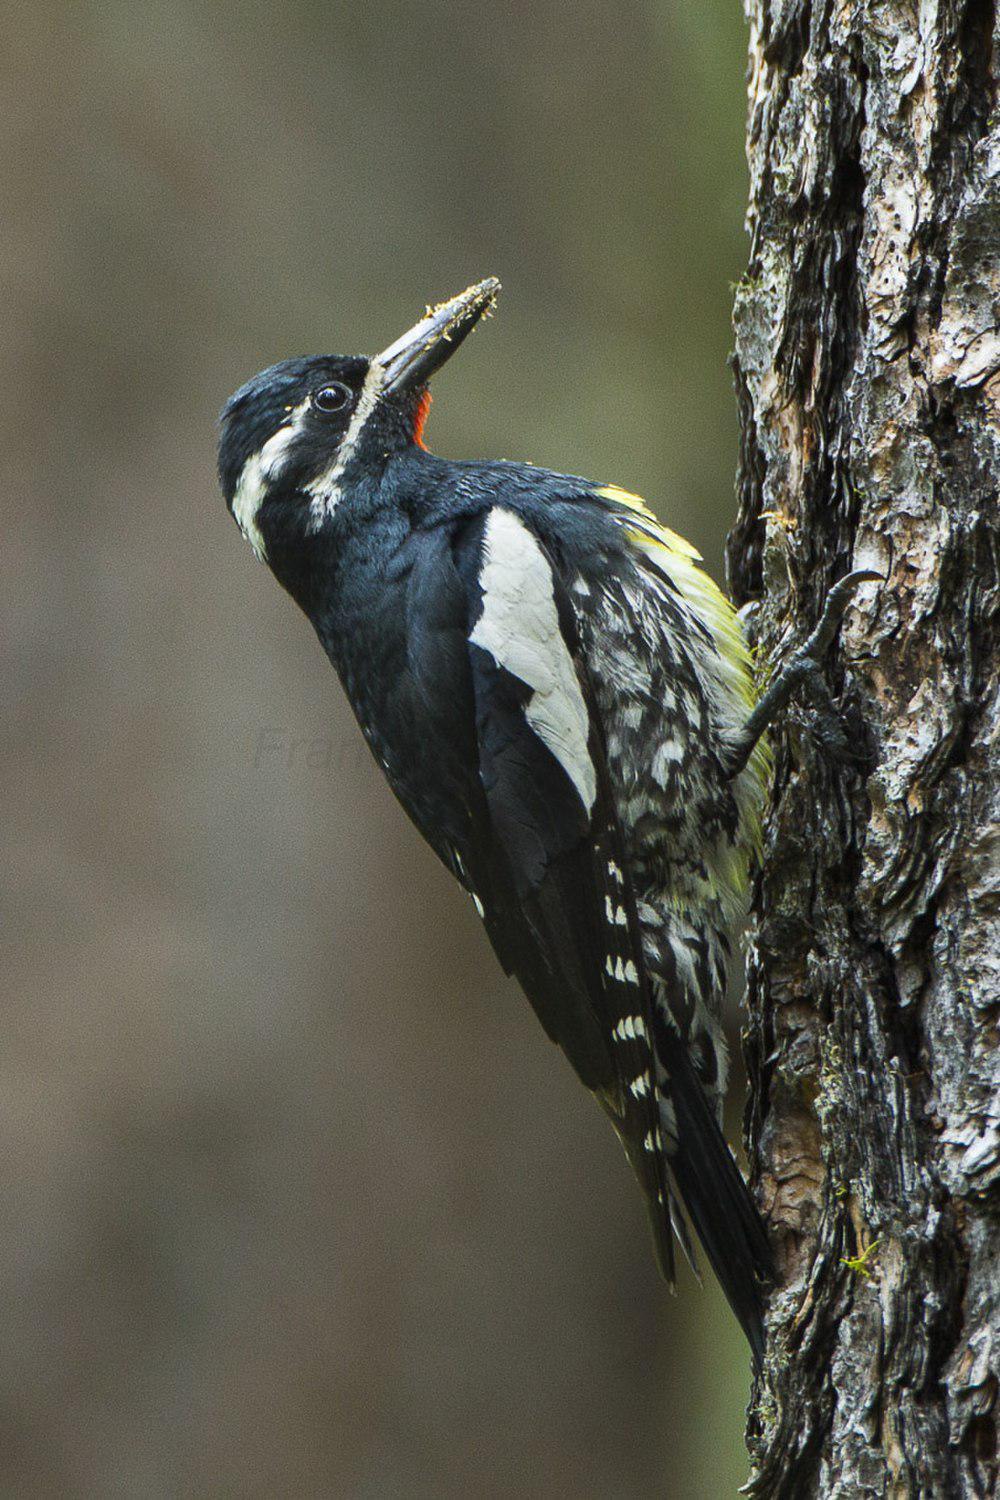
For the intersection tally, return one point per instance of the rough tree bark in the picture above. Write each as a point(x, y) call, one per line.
point(868, 373)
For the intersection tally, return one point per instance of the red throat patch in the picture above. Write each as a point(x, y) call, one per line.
point(420, 417)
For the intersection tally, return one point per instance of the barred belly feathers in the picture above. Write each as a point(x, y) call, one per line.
point(671, 676)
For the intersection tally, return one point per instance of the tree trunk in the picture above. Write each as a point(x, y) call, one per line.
point(868, 374)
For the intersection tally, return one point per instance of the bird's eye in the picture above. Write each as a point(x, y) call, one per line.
point(331, 397)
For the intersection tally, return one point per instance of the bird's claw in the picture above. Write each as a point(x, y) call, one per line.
point(834, 609)
point(804, 669)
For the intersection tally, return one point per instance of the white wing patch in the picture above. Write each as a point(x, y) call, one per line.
point(256, 475)
point(519, 627)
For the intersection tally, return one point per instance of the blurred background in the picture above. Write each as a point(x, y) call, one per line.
point(297, 1198)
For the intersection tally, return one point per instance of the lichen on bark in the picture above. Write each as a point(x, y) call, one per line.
point(868, 379)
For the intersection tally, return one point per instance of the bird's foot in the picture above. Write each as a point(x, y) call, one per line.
point(804, 669)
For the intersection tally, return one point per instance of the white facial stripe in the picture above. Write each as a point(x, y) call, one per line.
point(519, 627)
point(325, 488)
point(256, 475)
point(247, 500)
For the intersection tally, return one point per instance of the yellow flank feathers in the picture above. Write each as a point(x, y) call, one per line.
point(670, 539)
point(676, 559)
point(679, 560)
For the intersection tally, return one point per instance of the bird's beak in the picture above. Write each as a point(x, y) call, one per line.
point(413, 359)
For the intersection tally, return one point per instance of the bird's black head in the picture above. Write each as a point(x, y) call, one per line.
point(297, 436)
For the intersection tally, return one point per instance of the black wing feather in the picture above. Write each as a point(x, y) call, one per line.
point(581, 968)
point(553, 880)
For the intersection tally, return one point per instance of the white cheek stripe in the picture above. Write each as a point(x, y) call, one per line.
point(519, 627)
point(255, 476)
point(325, 488)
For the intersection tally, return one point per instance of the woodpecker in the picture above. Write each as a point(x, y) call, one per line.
point(562, 700)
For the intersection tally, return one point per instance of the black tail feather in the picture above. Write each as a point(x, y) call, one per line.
point(718, 1202)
